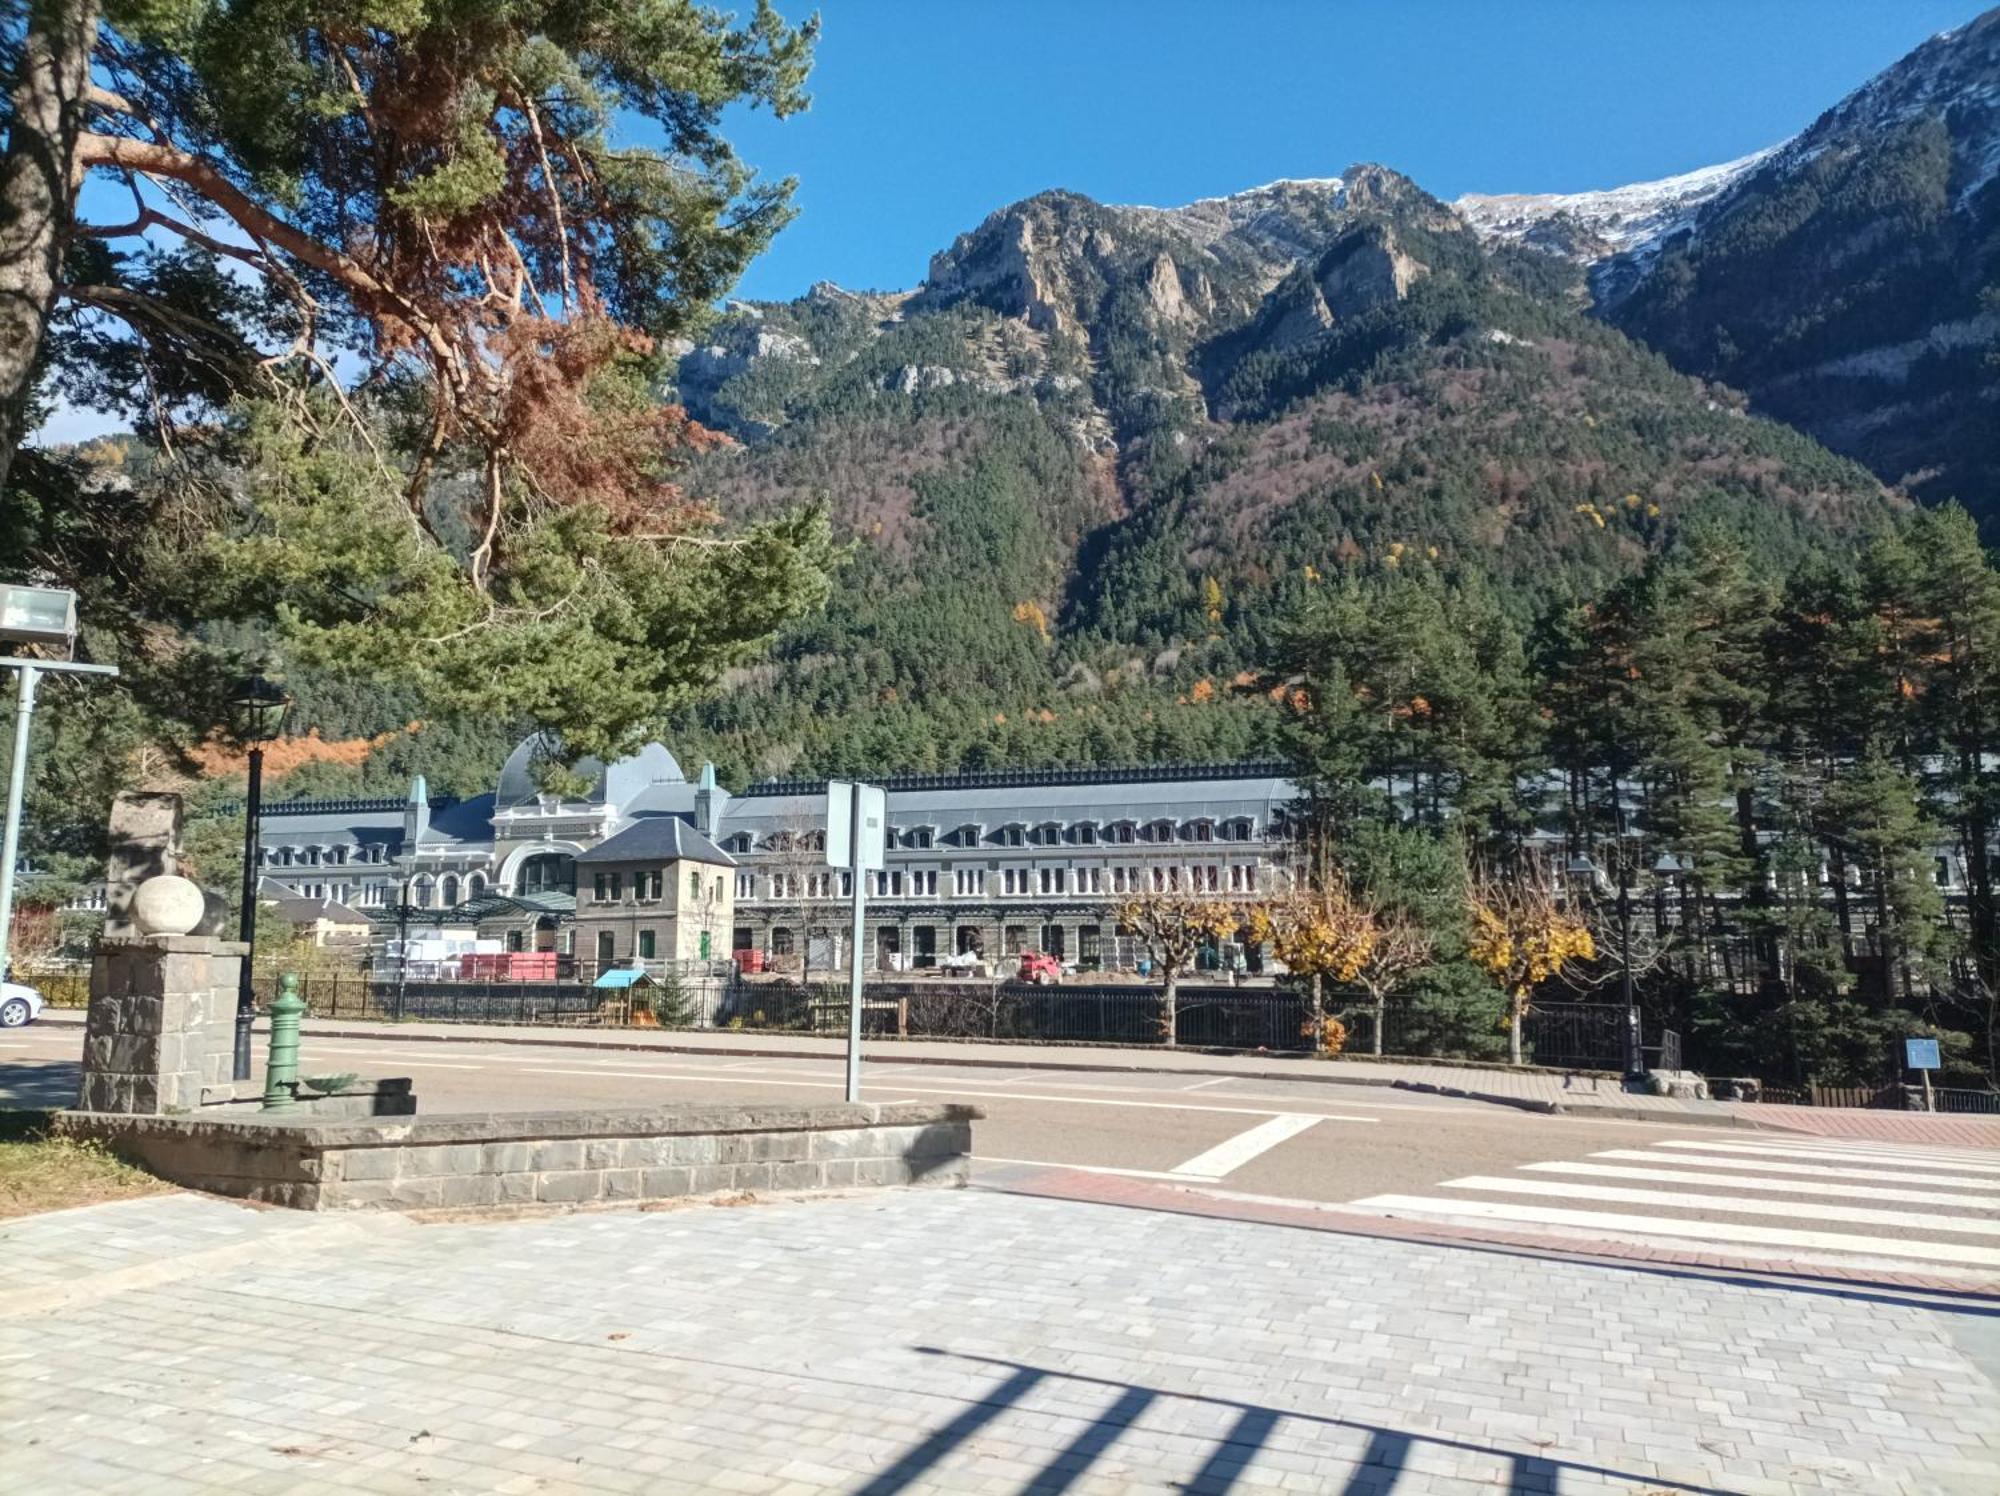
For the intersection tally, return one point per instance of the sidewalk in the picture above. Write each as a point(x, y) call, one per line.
point(1549, 1091)
point(935, 1342)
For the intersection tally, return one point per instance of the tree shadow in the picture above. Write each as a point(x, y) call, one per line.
point(39, 1086)
point(1379, 1467)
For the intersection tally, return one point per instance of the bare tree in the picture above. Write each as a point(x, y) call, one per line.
point(1175, 925)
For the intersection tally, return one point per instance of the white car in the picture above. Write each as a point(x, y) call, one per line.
point(18, 1005)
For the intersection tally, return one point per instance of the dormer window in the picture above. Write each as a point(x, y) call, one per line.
point(1201, 831)
point(1012, 834)
point(968, 835)
point(920, 837)
point(1121, 831)
point(1050, 834)
point(1161, 831)
point(1086, 833)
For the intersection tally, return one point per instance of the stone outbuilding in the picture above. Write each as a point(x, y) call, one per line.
point(656, 892)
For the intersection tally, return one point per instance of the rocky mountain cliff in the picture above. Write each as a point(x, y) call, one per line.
point(1102, 448)
point(1848, 279)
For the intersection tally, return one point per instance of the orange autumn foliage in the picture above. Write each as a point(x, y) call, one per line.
point(218, 759)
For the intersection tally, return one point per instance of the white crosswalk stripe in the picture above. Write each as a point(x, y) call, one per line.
point(1967, 1163)
point(1821, 1171)
point(1789, 1199)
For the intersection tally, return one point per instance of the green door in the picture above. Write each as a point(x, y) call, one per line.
point(704, 945)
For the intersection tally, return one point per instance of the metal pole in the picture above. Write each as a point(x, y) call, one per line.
point(1635, 1054)
point(854, 953)
point(402, 948)
point(17, 779)
point(246, 925)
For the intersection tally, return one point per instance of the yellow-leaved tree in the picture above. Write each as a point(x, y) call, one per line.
point(1322, 932)
point(1523, 936)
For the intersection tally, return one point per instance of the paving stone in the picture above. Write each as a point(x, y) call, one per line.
point(948, 1341)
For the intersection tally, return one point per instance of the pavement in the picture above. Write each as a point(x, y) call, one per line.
point(982, 1341)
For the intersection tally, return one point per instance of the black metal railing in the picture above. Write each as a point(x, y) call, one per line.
point(1207, 1017)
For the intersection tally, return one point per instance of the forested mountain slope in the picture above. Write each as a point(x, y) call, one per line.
point(1090, 461)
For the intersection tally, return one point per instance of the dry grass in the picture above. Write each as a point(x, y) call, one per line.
point(39, 1172)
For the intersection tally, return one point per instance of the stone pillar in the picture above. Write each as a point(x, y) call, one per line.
point(161, 1027)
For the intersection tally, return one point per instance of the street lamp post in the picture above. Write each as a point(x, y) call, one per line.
point(1590, 876)
point(44, 616)
point(258, 710)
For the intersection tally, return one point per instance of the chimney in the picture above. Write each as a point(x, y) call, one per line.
point(416, 814)
point(704, 801)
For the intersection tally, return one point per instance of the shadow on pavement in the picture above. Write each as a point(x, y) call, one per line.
point(42, 1085)
point(1383, 1461)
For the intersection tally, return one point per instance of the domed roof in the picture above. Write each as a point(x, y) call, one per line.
point(616, 785)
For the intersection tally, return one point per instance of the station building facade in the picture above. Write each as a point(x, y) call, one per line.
point(983, 864)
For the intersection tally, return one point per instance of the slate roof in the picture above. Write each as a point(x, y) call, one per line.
point(658, 839)
point(299, 909)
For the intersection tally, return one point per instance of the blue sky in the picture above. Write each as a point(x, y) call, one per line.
point(929, 114)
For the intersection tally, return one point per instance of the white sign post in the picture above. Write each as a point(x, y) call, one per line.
point(856, 839)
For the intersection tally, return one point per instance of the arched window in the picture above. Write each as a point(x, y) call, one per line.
point(450, 889)
point(475, 885)
point(547, 872)
point(421, 891)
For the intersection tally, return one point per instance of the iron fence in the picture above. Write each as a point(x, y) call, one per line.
point(1206, 1017)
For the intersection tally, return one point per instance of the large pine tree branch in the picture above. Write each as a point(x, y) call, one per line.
point(253, 218)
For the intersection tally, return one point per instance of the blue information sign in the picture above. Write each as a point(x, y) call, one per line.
point(1920, 1054)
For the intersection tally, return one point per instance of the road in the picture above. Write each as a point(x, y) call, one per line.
point(1391, 1155)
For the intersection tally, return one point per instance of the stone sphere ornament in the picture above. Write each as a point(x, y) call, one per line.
point(167, 905)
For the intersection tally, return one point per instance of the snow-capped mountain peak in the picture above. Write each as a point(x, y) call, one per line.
point(1615, 220)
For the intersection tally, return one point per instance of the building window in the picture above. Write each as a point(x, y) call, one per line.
point(1014, 881)
point(1163, 831)
point(516, 941)
point(1203, 831)
point(647, 944)
point(1086, 834)
point(968, 883)
point(746, 886)
point(420, 892)
point(847, 885)
point(607, 948)
point(1122, 832)
point(1090, 880)
point(617, 888)
point(450, 887)
point(1054, 879)
point(968, 835)
point(475, 885)
point(694, 886)
point(781, 941)
point(923, 885)
point(597, 887)
point(718, 889)
point(818, 885)
point(921, 837)
point(1011, 836)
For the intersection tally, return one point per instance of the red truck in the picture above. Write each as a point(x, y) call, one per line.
point(1040, 968)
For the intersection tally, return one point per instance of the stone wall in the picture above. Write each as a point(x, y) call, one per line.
point(162, 1023)
point(544, 1158)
